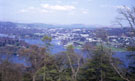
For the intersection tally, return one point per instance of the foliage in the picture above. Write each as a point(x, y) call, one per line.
point(68, 65)
point(47, 41)
point(98, 68)
point(131, 66)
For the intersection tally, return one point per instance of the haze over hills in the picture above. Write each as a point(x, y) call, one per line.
point(42, 25)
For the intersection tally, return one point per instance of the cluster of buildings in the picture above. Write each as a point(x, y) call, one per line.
point(79, 36)
point(117, 37)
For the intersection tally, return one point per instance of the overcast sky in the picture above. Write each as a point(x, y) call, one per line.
point(92, 12)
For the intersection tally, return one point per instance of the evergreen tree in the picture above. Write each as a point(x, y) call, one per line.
point(98, 67)
point(131, 66)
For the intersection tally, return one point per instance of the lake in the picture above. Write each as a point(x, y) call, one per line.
point(56, 48)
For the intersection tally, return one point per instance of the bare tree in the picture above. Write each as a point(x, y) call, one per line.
point(74, 61)
point(87, 49)
point(47, 42)
point(112, 61)
point(127, 15)
point(104, 36)
point(35, 56)
point(11, 71)
point(61, 64)
point(116, 67)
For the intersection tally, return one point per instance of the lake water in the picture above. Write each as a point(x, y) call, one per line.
point(56, 48)
point(5, 35)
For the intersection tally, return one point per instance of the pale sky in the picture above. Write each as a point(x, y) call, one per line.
point(90, 12)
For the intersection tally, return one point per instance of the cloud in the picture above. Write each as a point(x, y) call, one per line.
point(33, 10)
point(116, 7)
point(58, 7)
point(48, 8)
point(23, 11)
point(84, 12)
point(121, 7)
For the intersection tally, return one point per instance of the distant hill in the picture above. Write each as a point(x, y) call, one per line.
point(7, 24)
point(41, 25)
